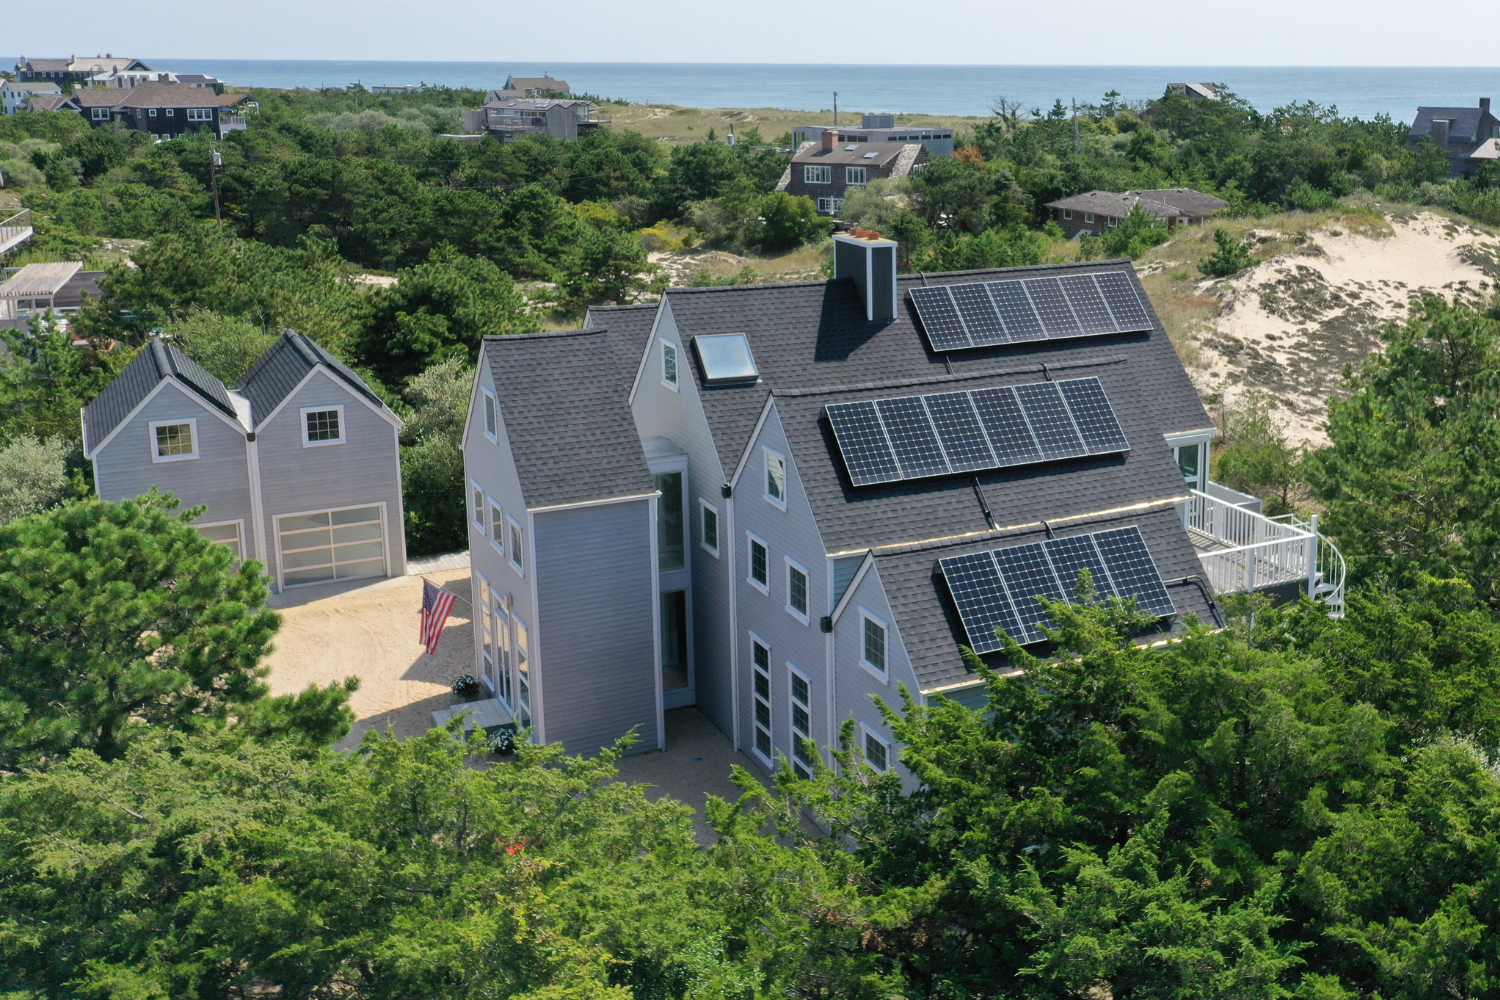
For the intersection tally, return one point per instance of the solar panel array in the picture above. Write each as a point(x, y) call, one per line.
point(1000, 588)
point(915, 437)
point(1022, 310)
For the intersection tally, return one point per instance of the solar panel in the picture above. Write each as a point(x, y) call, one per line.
point(1074, 553)
point(1001, 587)
point(1052, 306)
point(978, 314)
point(1088, 304)
point(1133, 570)
point(959, 429)
point(912, 437)
point(1028, 575)
point(982, 602)
point(1014, 307)
point(1003, 421)
point(862, 442)
point(1123, 301)
point(945, 331)
point(1094, 416)
point(1050, 422)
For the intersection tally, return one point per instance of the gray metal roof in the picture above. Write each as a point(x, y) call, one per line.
point(569, 427)
point(156, 361)
point(283, 367)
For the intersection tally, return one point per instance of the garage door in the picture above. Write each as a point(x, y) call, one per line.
point(331, 545)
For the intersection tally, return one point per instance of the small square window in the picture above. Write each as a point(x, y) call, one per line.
point(174, 440)
point(775, 478)
point(1088, 216)
point(759, 572)
point(171, 112)
point(152, 112)
point(1068, 214)
point(877, 754)
point(709, 535)
point(669, 364)
point(323, 426)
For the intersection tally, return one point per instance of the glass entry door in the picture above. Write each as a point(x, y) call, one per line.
point(676, 663)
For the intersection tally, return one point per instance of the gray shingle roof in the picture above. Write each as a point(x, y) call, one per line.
point(884, 152)
point(156, 361)
point(1160, 201)
point(1465, 122)
point(627, 328)
point(569, 428)
point(284, 366)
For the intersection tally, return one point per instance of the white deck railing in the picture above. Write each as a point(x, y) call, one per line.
point(1242, 551)
point(15, 230)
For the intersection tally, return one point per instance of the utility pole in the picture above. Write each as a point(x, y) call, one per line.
point(1077, 137)
point(835, 109)
point(214, 163)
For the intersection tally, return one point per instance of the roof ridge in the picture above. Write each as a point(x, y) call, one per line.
point(1114, 359)
point(545, 334)
point(1021, 267)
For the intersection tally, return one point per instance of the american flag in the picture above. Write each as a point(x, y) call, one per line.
point(436, 603)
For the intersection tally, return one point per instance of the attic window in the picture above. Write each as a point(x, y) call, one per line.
point(725, 357)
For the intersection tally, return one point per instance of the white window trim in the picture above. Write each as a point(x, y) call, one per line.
point(490, 405)
point(343, 427)
point(151, 113)
point(192, 423)
point(484, 513)
point(1068, 214)
point(1088, 216)
point(849, 175)
point(866, 733)
point(756, 640)
point(792, 564)
point(766, 455)
point(751, 539)
point(495, 516)
point(519, 567)
point(822, 171)
point(239, 527)
point(675, 384)
point(791, 716)
point(712, 550)
point(385, 537)
point(884, 676)
point(171, 112)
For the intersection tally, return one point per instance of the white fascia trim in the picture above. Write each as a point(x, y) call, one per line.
point(765, 412)
point(859, 576)
point(594, 503)
point(640, 369)
point(384, 413)
point(1178, 439)
point(135, 411)
point(463, 440)
point(287, 398)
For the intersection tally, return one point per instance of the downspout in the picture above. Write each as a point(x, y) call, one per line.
point(257, 506)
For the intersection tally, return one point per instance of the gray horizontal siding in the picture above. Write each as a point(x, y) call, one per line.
point(595, 626)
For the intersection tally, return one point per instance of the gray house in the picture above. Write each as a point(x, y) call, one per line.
point(1095, 212)
point(780, 502)
point(1470, 137)
point(299, 466)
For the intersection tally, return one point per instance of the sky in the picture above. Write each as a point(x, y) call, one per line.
point(969, 32)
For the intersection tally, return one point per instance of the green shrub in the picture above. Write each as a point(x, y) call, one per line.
point(785, 221)
point(1137, 232)
point(33, 476)
point(1306, 198)
point(1231, 257)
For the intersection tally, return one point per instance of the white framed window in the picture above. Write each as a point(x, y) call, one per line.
point(854, 175)
point(486, 628)
point(1088, 216)
point(497, 527)
point(760, 660)
point(523, 671)
point(873, 642)
point(1068, 214)
point(1113, 222)
point(173, 440)
point(517, 546)
point(831, 206)
point(477, 506)
point(200, 115)
point(152, 112)
point(796, 590)
point(775, 477)
point(322, 425)
point(227, 534)
point(876, 750)
point(99, 114)
point(708, 527)
point(491, 415)
point(759, 574)
point(669, 356)
point(817, 175)
point(171, 112)
point(800, 689)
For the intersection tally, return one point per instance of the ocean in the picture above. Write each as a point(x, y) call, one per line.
point(947, 90)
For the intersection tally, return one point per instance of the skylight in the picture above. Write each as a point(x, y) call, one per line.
point(725, 357)
point(871, 156)
point(852, 145)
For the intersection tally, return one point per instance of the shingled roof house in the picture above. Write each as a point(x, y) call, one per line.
point(1469, 136)
point(825, 170)
point(164, 110)
point(299, 466)
point(1096, 211)
point(74, 69)
point(778, 501)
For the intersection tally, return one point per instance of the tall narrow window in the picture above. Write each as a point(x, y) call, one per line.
point(523, 672)
point(486, 631)
point(877, 754)
point(802, 751)
point(517, 547)
point(710, 536)
point(874, 644)
point(674, 641)
point(671, 553)
point(796, 591)
point(669, 364)
point(759, 577)
point(761, 658)
point(491, 420)
point(1187, 464)
point(775, 478)
point(478, 507)
point(497, 528)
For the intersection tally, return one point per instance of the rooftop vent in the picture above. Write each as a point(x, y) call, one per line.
point(871, 261)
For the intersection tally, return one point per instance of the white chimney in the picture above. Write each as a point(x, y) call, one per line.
point(870, 260)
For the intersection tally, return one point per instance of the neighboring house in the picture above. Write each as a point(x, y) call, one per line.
point(1467, 135)
point(398, 88)
point(52, 102)
point(129, 79)
point(780, 502)
point(74, 69)
point(1097, 211)
point(1194, 91)
point(15, 97)
point(879, 128)
point(531, 86)
point(32, 290)
point(164, 110)
point(825, 170)
point(299, 466)
point(507, 119)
